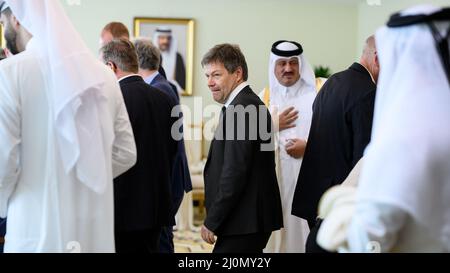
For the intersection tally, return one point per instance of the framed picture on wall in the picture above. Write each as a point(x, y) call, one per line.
point(175, 39)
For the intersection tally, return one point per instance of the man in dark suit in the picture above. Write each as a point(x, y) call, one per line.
point(242, 197)
point(149, 62)
point(143, 194)
point(340, 131)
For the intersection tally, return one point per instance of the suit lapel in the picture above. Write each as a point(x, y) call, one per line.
point(156, 79)
point(241, 94)
point(214, 141)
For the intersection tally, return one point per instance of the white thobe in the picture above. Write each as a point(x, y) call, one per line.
point(291, 238)
point(370, 227)
point(48, 210)
point(377, 228)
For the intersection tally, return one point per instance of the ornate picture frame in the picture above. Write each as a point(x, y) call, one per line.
point(2, 40)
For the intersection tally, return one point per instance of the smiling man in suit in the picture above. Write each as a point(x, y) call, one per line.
point(242, 196)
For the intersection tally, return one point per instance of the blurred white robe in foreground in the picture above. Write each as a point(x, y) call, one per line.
point(59, 198)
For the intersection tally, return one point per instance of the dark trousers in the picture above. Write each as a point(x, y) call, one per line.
point(311, 242)
point(2, 233)
point(139, 241)
point(166, 238)
point(249, 243)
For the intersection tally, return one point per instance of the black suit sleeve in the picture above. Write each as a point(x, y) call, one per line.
point(237, 160)
point(361, 120)
point(174, 144)
point(180, 73)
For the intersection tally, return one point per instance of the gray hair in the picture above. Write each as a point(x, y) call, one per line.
point(148, 54)
point(122, 53)
point(230, 56)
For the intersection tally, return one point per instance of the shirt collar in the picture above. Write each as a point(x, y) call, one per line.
point(150, 78)
point(234, 93)
point(128, 76)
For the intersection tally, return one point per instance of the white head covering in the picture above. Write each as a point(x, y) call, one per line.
point(407, 164)
point(76, 98)
point(288, 50)
point(169, 58)
point(301, 96)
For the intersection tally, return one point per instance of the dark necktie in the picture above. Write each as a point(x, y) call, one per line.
point(222, 113)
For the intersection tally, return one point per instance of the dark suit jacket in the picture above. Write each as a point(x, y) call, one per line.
point(2, 227)
point(181, 177)
point(340, 131)
point(2, 233)
point(162, 72)
point(162, 84)
point(241, 188)
point(142, 195)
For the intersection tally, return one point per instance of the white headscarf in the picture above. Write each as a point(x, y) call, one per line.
point(169, 58)
point(75, 95)
point(407, 164)
point(306, 72)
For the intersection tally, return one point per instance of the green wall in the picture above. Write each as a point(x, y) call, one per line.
point(371, 17)
point(331, 31)
point(327, 31)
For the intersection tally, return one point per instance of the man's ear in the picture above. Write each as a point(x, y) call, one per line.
point(240, 73)
point(377, 62)
point(112, 65)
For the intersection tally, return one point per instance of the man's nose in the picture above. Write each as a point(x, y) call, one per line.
point(288, 68)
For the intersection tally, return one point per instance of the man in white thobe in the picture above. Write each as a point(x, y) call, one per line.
point(401, 204)
point(64, 133)
point(290, 98)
